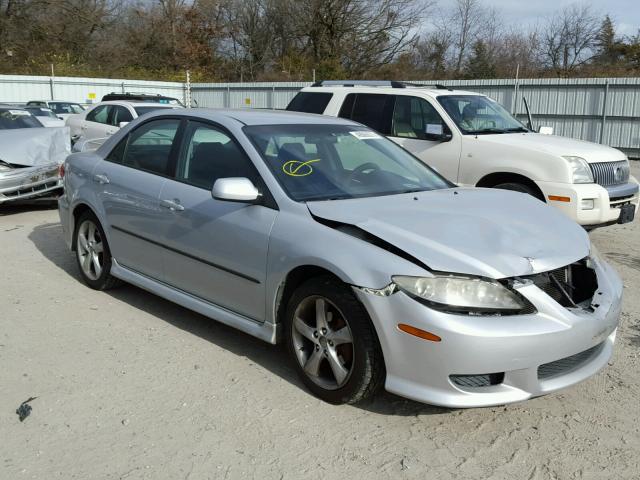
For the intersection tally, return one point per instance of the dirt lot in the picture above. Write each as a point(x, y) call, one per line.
point(131, 386)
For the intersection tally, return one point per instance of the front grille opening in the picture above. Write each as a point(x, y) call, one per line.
point(570, 286)
point(567, 364)
point(477, 381)
point(28, 190)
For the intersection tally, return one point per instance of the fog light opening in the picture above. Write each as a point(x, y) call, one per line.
point(587, 204)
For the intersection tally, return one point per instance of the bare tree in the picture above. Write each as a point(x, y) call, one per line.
point(568, 38)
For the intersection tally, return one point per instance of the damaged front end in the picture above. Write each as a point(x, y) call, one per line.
point(19, 182)
point(29, 161)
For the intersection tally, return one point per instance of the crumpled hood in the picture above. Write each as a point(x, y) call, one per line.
point(557, 146)
point(474, 231)
point(35, 146)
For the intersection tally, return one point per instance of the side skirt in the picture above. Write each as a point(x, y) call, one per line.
point(264, 331)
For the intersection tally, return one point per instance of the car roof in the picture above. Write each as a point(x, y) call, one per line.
point(409, 90)
point(250, 116)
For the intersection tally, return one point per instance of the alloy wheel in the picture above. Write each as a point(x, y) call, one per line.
point(90, 250)
point(323, 342)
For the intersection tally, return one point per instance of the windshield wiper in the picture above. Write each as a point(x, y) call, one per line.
point(517, 129)
point(486, 131)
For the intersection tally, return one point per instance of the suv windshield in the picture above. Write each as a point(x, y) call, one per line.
point(16, 118)
point(330, 162)
point(475, 114)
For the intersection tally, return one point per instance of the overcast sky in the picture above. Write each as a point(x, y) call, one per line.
point(625, 13)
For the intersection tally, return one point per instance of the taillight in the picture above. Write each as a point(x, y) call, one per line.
point(61, 170)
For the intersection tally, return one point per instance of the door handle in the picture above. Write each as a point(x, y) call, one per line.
point(101, 179)
point(173, 205)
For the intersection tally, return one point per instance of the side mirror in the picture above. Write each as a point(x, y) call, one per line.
point(235, 189)
point(122, 124)
point(442, 137)
point(437, 132)
point(546, 130)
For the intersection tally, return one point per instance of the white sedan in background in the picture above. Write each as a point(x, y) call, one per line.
point(106, 118)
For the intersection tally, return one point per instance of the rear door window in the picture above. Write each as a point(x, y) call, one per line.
point(371, 109)
point(310, 102)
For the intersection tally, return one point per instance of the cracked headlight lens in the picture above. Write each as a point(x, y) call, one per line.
point(580, 169)
point(462, 294)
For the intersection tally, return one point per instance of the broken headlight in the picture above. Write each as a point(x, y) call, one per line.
point(462, 294)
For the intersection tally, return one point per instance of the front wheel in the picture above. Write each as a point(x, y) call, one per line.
point(332, 342)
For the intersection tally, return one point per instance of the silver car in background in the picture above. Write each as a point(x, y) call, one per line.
point(30, 155)
point(371, 267)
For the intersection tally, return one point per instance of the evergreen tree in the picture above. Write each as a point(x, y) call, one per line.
point(480, 64)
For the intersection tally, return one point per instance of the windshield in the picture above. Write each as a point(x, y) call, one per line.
point(14, 118)
point(475, 114)
point(142, 110)
point(330, 162)
point(65, 107)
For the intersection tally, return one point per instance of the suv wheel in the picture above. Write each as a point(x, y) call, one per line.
point(92, 253)
point(332, 342)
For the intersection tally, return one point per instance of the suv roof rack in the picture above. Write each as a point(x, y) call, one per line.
point(375, 83)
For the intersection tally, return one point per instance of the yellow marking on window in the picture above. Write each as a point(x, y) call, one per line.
point(296, 168)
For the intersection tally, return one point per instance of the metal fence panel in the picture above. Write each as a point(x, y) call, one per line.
point(21, 88)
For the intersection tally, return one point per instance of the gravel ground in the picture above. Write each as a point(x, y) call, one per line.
point(131, 386)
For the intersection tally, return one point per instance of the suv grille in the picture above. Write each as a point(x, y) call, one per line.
point(567, 364)
point(610, 173)
point(568, 285)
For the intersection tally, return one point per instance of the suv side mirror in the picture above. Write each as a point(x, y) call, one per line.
point(235, 189)
point(546, 130)
point(442, 137)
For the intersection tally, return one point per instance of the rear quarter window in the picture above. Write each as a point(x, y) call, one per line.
point(310, 102)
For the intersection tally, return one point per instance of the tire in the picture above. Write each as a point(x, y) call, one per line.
point(348, 341)
point(520, 187)
point(91, 243)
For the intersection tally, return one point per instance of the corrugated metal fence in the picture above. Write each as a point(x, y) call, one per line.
point(22, 88)
point(595, 109)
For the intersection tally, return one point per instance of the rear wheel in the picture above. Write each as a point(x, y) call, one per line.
point(332, 342)
point(520, 187)
point(93, 254)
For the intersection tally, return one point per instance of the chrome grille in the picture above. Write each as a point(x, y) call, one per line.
point(567, 364)
point(610, 173)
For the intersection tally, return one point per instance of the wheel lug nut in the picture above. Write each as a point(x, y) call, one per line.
point(315, 334)
point(330, 343)
point(324, 331)
point(317, 347)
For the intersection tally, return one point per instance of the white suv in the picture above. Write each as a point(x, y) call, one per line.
point(473, 141)
point(106, 118)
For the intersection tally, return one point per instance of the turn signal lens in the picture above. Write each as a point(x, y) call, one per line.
point(417, 332)
point(558, 198)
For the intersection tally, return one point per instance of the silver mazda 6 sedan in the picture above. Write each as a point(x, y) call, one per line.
point(372, 268)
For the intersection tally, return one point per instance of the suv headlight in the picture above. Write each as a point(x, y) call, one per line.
point(462, 294)
point(5, 167)
point(580, 169)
